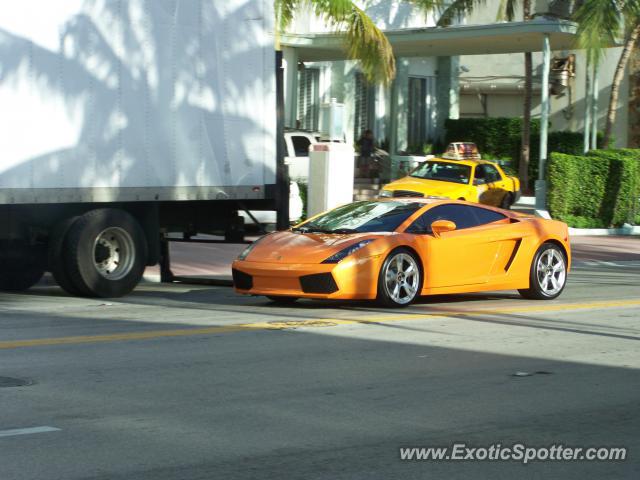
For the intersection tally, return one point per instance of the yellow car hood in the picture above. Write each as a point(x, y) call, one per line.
point(427, 187)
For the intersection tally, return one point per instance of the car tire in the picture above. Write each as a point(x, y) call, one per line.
point(548, 273)
point(507, 201)
point(106, 253)
point(56, 254)
point(21, 265)
point(400, 279)
point(282, 300)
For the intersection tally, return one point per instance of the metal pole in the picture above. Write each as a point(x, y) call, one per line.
point(541, 193)
point(594, 107)
point(282, 174)
point(587, 108)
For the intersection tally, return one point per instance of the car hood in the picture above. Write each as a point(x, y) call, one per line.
point(427, 187)
point(295, 247)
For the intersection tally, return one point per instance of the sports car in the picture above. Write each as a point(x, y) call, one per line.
point(395, 250)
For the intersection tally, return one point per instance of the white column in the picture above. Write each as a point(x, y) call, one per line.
point(587, 108)
point(594, 106)
point(290, 56)
point(540, 186)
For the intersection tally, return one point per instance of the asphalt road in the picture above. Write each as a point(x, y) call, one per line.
point(187, 382)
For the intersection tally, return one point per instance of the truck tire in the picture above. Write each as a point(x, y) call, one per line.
point(21, 266)
point(56, 254)
point(106, 253)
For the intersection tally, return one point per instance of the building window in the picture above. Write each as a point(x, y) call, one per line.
point(364, 106)
point(308, 98)
point(422, 111)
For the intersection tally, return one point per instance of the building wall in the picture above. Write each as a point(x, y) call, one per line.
point(387, 14)
point(482, 74)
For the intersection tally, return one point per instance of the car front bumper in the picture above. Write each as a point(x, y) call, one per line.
point(350, 279)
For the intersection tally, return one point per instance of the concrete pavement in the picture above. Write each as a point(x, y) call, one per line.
point(186, 382)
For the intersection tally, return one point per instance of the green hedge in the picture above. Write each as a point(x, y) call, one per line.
point(495, 137)
point(501, 138)
point(598, 190)
point(623, 187)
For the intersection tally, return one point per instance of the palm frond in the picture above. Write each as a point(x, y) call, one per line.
point(599, 25)
point(457, 10)
point(365, 42)
point(430, 6)
point(285, 11)
point(631, 11)
point(507, 10)
point(370, 46)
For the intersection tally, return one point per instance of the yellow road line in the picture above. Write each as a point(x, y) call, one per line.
point(318, 322)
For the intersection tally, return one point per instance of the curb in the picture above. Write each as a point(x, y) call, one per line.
point(528, 203)
point(605, 263)
point(628, 230)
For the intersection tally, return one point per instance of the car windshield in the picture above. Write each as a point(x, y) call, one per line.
point(366, 216)
point(443, 171)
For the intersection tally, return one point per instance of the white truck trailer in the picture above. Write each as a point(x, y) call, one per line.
point(122, 121)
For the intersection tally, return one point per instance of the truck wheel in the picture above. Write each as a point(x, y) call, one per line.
point(56, 254)
point(106, 253)
point(21, 266)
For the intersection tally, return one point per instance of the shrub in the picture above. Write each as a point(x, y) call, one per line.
point(600, 189)
point(501, 138)
point(498, 137)
point(623, 189)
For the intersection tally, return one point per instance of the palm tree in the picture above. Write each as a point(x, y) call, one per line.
point(364, 41)
point(506, 11)
point(603, 23)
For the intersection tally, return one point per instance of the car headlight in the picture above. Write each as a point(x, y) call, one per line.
point(247, 250)
point(345, 252)
point(385, 193)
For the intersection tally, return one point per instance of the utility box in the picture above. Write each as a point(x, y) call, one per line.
point(331, 173)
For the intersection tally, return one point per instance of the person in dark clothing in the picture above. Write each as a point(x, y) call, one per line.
point(367, 147)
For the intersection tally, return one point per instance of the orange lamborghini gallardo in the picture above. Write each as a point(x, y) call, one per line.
point(395, 250)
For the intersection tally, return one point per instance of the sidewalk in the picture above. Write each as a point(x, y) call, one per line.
point(214, 260)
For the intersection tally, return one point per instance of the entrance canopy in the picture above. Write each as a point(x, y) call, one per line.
point(511, 37)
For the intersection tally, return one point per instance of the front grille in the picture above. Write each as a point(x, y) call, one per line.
point(242, 280)
point(406, 193)
point(318, 283)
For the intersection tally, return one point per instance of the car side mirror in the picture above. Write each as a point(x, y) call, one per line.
point(441, 226)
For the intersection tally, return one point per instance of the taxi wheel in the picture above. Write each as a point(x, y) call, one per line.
point(548, 275)
point(282, 300)
point(400, 279)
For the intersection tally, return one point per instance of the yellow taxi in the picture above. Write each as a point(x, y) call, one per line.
point(460, 175)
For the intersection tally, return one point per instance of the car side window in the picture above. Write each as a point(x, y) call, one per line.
point(491, 174)
point(300, 145)
point(464, 216)
point(484, 215)
point(458, 214)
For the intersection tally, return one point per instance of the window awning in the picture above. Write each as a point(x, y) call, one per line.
point(511, 37)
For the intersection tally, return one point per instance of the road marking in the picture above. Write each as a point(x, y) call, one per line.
point(27, 431)
point(430, 312)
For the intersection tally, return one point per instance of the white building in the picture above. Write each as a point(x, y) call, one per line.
point(474, 69)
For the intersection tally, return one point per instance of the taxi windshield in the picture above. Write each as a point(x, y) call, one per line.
point(358, 217)
point(443, 171)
